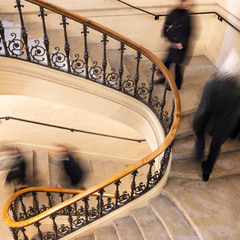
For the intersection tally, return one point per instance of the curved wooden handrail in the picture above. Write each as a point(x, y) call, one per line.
point(55, 190)
point(168, 140)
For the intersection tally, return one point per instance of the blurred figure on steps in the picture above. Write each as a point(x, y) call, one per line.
point(13, 160)
point(219, 112)
point(70, 165)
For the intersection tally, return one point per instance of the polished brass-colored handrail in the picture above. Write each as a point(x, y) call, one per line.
point(168, 140)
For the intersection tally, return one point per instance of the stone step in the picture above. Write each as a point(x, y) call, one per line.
point(149, 224)
point(41, 169)
point(89, 237)
point(106, 233)
point(184, 147)
point(212, 206)
point(172, 218)
point(227, 164)
point(127, 228)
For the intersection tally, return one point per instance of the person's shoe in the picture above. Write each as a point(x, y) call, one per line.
point(205, 177)
point(159, 81)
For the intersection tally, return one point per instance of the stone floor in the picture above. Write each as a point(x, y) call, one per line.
point(214, 206)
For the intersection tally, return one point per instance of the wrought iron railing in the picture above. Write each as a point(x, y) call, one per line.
point(65, 50)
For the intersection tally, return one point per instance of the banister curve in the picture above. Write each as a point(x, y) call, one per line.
point(168, 140)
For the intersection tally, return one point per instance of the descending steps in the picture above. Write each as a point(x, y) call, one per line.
point(160, 219)
point(184, 165)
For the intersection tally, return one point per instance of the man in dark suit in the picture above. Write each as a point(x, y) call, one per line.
point(177, 30)
point(219, 112)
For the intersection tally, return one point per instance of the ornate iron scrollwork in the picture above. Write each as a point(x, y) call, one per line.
point(124, 198)
point(128, 85)
point(63, 230)
point(58, 59)
point(143, 91)
point(78, 65)
point(15, 46)
point(109, 206)
point(37, 52)
point(112, 78)
point(95, 71)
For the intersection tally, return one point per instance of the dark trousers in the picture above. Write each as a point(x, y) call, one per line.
point(215, 148)
point(178, 73)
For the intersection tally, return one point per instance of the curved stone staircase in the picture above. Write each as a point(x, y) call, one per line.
point(188, 208)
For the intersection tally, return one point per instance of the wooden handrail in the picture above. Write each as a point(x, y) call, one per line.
point(56, 190)
point(168, 140)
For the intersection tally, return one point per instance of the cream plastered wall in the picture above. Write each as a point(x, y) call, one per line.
point(223, 37)
point(78, 103)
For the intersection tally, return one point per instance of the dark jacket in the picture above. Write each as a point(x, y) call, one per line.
point(72, 169)
point(18, 170)
point(219, 110)
point(177, 29)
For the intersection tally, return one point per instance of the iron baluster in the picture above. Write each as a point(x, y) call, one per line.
point(70, 218)
point(14, 233)
point(104, 60)
point(35, 202)
point(86, 209)
point(164, 161)
point(85, 55)
point(3, 39)
point(121, 69)
point(136, 76)
point(66, 44)
point(153, 68)
point(48, 194)
point(55, 227)
point(170, 120)
point(45, 36)
point(163, 102)
point(23, 206)
point(101, 203)
point(13, 212)
point(117, 183)
point(75, 206)
point(133, 184)
point(25, 237)
point(23, 29)
point(149, 175)
point(40, 235)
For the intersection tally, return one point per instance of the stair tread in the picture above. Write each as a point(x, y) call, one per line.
point(127, 228)
point(88, 237)
point(41, 169)
point(106, 233)
point(146, 219)
point(226, 164)
point(173, 219)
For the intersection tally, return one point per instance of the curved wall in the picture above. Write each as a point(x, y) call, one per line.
point(27, 79)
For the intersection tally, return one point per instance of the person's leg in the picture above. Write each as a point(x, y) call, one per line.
point(199, 146)
point(207, 166)
point(178, 75)
point(162, 79)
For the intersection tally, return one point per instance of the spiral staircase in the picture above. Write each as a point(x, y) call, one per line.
point(186, 208)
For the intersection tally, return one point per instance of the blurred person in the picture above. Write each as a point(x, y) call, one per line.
point(219, 112)
point(177, 30)
point(71, 167)
point(13, 160)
